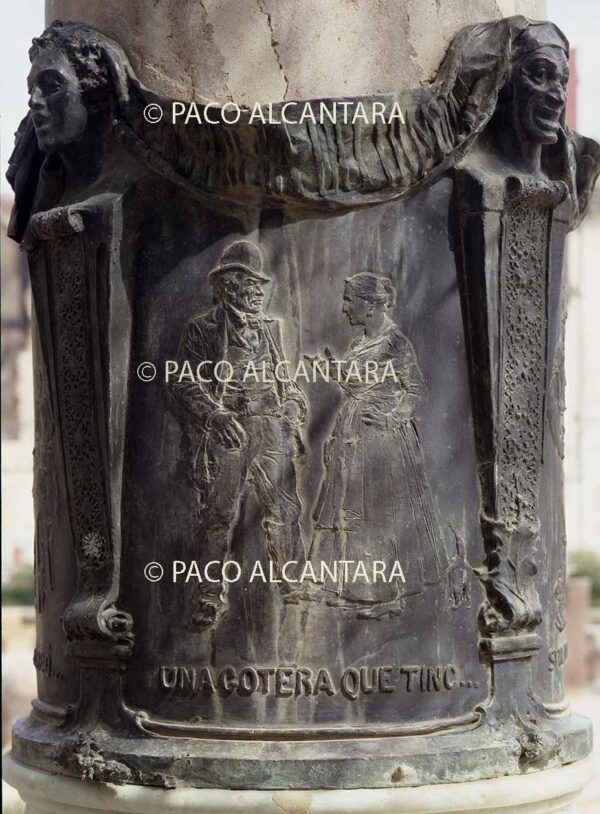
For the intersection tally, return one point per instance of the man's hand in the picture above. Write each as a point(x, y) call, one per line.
point(293, 411)
point(296, 406)
point(405, 410)
point(228, 430)
point(373, 417)
point(326, 356)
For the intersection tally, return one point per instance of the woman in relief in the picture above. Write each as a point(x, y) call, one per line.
point(375, 503)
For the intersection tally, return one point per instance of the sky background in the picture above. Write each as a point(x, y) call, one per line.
point(21, 21)
point(580, 21)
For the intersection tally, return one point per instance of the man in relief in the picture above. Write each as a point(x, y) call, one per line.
point(375, 502)
point(245, 430)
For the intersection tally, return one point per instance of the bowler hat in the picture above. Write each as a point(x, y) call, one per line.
point(242, 256)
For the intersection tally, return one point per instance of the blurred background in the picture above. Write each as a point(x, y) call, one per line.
point(24, 19)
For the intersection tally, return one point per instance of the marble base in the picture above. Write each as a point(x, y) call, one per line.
point(553, 791)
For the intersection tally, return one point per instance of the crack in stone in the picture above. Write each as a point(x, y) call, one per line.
point(412, 53)
point(193, 82)
point(210, 29)
point(274, 44)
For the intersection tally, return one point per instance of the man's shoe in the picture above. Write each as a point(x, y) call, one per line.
point(207, 612)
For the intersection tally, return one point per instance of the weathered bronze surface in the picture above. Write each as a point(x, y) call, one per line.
point(320, 544)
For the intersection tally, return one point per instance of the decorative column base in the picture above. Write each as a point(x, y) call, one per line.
point(553, 791)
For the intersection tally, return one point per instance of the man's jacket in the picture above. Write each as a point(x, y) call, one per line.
point(205, 340)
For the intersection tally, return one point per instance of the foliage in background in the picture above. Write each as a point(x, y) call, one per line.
point(19, 588)
point(587, 564)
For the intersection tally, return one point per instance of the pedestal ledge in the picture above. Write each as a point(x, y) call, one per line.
point(553, 791)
